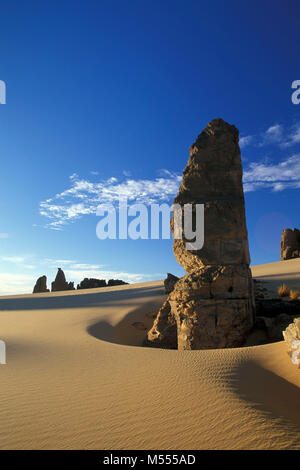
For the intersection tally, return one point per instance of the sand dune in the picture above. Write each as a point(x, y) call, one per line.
point(275, 274)
point(76, 377)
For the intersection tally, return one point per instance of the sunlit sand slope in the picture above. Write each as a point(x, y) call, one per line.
point(76, 377)
point(274, 274)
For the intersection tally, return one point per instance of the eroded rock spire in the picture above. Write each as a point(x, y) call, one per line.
point(213, 305)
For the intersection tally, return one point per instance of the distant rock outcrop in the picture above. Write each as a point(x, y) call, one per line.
point(60, 282)
point(94, 283)
point(41, 285)
point(91, 283)
point(116, 282)
point(170, 282)
point(213, 305)
point(290, 244)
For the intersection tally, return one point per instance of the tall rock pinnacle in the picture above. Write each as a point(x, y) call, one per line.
point(213, 176)
point(60, 282)
point(213, 305)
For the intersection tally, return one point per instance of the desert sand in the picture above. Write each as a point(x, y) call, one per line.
point(77, 378)
point(274, 274)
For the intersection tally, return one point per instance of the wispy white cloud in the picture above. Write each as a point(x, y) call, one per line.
point(4, 235)
point(293, 137)
point(276, 176)
point(55, 263)
point(273, 135)
point(86, 266)
point(245, 141)
point(16, 283)
point(83, 197)
point(276, 135)
point(13, 259)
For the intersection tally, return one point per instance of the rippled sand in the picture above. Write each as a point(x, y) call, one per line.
point(76, 377)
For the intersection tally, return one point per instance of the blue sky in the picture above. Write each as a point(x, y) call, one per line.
point(109, 95)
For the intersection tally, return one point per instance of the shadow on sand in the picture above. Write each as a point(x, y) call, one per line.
point(54, 301)
point(268, 393)
point(132, 329)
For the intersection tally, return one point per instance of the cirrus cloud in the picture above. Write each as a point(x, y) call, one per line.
point(83, 197)
point(276, 176)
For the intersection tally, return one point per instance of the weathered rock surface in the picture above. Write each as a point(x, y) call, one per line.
point(91, 283)
point(60, 282)
point(209, 307)
point(170, 282)
point(163, 334)
point(41, 285)
point(213, 176)
point(290, 244)
point(213, 305)
point(292, 338)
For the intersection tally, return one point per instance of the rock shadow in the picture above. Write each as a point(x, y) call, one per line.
point(54, 300)
point(270, 394)
point(131, 330)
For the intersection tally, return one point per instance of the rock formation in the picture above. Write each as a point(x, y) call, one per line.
point(90, 283)
point(290, 244)
point(94, 283)
point(41, 285)
point(213, 305)
point(163, 333)
point(292, 338)
point(268, 329)
point(60, 282)
point(116, 282)
point(170, 282)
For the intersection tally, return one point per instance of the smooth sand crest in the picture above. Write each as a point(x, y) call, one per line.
point(76, 378)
